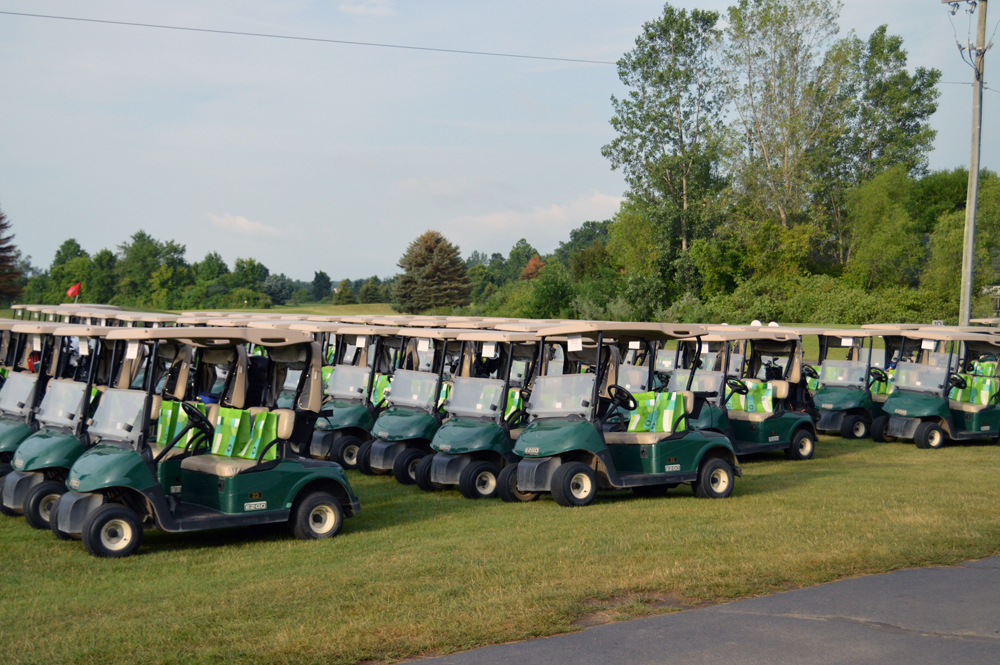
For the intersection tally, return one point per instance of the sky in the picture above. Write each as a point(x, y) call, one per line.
point(315, 156)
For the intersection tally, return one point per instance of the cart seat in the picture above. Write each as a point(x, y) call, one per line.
point(966, 407)
point(750, 416)
point(644, 438)
point(217, 465)
point(880, 397)
point(514, 433)
point(174, 452)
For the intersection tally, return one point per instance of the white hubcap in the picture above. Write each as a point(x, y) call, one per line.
point(45, 507)
point(322, 519)
point(860, 429)
point(351, 455)
point(719, 481)
point(935, 439)
point(412, 469)
point(805, 446)
point(580, 486)
point(116, 535)
point(486, 482)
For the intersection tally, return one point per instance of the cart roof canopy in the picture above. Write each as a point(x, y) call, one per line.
point(433, 333)
point(861, 332)
point(83, 331)
point(39, 327)
point(348, 329)
point(625, 331)
point(978, 330)
point(754, 334)
point(893, 326)
point(507, 337)
point(214, 336)
point(951, 336)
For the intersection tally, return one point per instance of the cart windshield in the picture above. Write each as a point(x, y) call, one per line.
point(117, 410)
point(704, 382)
point(561, 395)
point(411, 388)
point(633, 379)
point(843, 373)
point(61, 405)
point(877, 356)
point(475, 397)
point(665, 360)
point(348, 382)
point(17, 390)
point(911, 376)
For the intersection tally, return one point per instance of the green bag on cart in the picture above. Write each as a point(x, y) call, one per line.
point(231, 433)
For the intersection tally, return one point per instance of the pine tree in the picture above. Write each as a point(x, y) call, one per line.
point(320, 285)
point(9, 257)
point(434, 275)
point(344, 294)
point(370, 292)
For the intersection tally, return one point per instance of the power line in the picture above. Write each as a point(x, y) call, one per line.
point(308, 39)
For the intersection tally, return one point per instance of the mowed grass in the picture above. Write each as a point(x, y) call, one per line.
point(421, 574)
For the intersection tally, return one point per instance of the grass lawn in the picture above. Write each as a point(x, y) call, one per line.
point(419, 574)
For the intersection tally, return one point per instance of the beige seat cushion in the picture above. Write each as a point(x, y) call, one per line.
point(880, 398)
point(286, 423)
point(514, 433)
point(174, 452)
point(688, 398)
point(753, 417)
point(154, 412)
point(966, 407)
point(779, 389)
point(635, 437)
point(217, 465)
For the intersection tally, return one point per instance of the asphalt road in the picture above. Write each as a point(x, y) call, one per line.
point(924, 615)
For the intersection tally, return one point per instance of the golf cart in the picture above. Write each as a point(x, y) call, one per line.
point(355, 394)
point(42, 461)
point(240, 471)
point(587, 431)
point(484, 410)
point(945, 387)
point(404, 430)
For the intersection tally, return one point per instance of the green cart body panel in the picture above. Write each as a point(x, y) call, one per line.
point(774, 430)
point(682, 454)
point(460, 436)
point(985, 423)
point(842, 398)
point(547, 437)
point(911, 404)
point(106, 465)
point(48, 449)
point(168, 472)
point(402, 424)
point(711, 417)
point(345, 415)
point(12, 432)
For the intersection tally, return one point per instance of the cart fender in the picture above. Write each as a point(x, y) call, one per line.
point(830, 421)
point(458, 436)
point(902, 428)
point(48, 449)
point(330, 473)
point(347, 414)
point(107, 465)
point(16, 486)
point(535, 475)
point(399, 424)
point(548, 437)
point(73, 509)
point(12, 433)
point(445, 469)
point(384, 454)
point(322, 443)
point(721, 450)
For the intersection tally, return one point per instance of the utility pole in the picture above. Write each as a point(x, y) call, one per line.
point(978, 59)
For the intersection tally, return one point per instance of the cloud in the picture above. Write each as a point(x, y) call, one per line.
point(241, 225)
point(368, 8)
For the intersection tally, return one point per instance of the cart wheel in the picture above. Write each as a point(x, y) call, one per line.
point(803, 446)
point(715, 480)
point(61, 535)
point(364, 458)
point(405, 465)
point(112, 530)
point(39, 504)
point(316, 515)
point(854, 427)
point(652, 491)
point(929, 435)
point(574, 484)
point(879, 427)
point(423, 480)
point(507, 486)
point(479, 480)
point(346, 454)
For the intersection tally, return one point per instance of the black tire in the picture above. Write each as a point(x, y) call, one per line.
point(61, 535)
point(364, 458)
point(4, 510)
point(316, 516)
point(423, 480)
point(507, 486)
point(930, 436)
point(404, 467)
point(112, 531)
point(803, 446)
point(574, 484)
point(878, 430)
point(652, 491)
point(346, 452)
point(479, 480)
point(39, 502)
point(715, 480)
point(854, 427)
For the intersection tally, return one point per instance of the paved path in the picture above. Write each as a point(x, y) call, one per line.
point(925, 615)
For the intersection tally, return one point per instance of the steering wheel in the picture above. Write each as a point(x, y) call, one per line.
point(738, 386)
point(810, 371)
point(621, 397)
point(198, 419)
point(956, 381)
point(879, 375)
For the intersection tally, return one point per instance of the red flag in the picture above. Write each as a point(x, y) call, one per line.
point(74, 290)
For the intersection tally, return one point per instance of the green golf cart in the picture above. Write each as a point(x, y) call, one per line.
point(945, 387)
point(82, 366)
point(428, 360)
point(747, 393)
point(586, 431)
point(484, 412)
point(239, 470)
